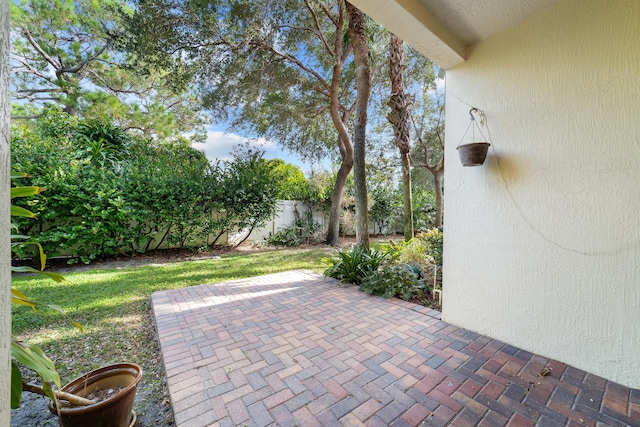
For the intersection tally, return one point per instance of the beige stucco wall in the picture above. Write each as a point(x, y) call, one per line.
point(542, 243)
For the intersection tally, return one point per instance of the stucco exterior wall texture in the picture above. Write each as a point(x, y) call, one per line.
point(542, 242)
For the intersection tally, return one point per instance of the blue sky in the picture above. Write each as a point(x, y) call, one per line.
point(219, 144)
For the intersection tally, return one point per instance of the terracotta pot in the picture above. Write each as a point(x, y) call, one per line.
point(114, 411)
point(473, 154)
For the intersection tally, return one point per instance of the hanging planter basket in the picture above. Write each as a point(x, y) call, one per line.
point(473, 154)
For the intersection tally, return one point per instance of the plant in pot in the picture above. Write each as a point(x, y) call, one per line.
point(103, 397)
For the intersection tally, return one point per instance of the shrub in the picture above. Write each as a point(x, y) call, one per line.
point(347, 226)
point(415, 251)
point(433, 240)
point(109, 193)
point(286, 236)
point(303, 231)
point(424, 207)
point(402, 281)
point(354, 265)
point(385, 210)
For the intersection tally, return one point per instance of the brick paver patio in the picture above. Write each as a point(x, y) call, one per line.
point(293, 349)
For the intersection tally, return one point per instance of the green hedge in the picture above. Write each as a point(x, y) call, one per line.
point(109, 193)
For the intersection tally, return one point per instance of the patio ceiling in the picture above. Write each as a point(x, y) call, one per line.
point(443, 29)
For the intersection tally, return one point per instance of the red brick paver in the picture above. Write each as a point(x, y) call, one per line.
point(293, 349)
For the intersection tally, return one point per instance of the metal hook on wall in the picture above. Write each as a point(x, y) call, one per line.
point(480, 114)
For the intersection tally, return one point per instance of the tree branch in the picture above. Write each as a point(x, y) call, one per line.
point(34, 91)
point(320, 91)
point(327, 12)
point(36, 46)
point(346, 53)
point(77, 68)
point(440, 113)
point(295, 61)
point(33, 98)
point(319, 30)
point(111, 87)
point(30, 69)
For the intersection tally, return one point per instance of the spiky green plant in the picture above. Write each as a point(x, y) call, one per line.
point(352, 266)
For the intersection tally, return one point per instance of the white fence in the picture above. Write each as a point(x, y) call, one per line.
point(285, 216)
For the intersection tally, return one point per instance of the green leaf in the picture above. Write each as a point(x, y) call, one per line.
point(19, 237)
point(43, 259)
point(21, 299)
point(15, 175)
point(25, 191)
point(18, 211)
point(33, 358)
point(25, 269)
point(16, 385)
point(18, 294)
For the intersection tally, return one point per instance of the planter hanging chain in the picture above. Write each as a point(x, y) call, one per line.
point(473, 125)
point(474, 153)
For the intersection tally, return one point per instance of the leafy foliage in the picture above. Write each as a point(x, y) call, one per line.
point(293, 185)
point(102, 142)
point(284, 70)
point(70, 53)
point(385, 209)
point(247, 189)
point(320, 188)
point(433, 240)
point(353, 266)
point(303, 231)
point(276, 70)
point(19, 240)
point(393, 270)
point(428, 153)
point(32, 357)
point(402, 281)
point(424, 202)
point(110, 193)
point(414, 251)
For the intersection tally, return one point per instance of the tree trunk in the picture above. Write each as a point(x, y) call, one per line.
point(400, 119)
point(346, 153)
point(407, 197)
point(333, 236)
point(339, 119)
point(357, 30)
point(5, 222)
point(437, 182)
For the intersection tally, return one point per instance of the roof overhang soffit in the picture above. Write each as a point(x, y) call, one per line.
point(415, 24)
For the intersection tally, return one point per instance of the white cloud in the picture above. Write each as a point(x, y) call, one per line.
point(218, 145)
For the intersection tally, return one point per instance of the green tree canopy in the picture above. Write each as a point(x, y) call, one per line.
point(66, 52)
point(293, 185)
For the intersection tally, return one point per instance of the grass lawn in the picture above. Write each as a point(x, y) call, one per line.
point(114, 308)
